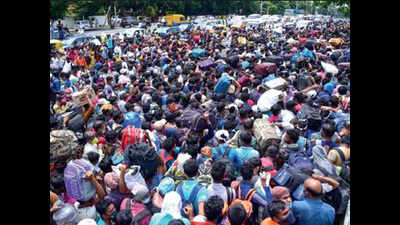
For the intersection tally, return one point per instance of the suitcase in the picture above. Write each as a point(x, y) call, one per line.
point(274, 59)
point(265, 68)
point(206, 64)
point(344, 65)
point(277, 83)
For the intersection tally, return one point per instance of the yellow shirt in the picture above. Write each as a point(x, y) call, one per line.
point(334, 157)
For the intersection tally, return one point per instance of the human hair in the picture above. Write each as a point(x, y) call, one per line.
point(328, 129)
point(334, 101)
point(176, 222)
point(272, 151)
point(169, 144)
point(290, 105)
point(57, 181)
point(254, 162)
point(243, 112)
point(190, 167)
point(247, 171)
point(342, 90)
point(102, 205)
point(275, 207)
point(124, 217)
point(248, 123)
point(218, 171)
point(276, 109)
point(293, 135)
point(237, 214)
point(213, 207)
point(93, 157)
point(245, 137)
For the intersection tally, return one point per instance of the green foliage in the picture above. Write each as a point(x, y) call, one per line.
point(85, 8)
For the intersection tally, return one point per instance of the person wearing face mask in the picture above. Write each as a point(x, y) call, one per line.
point(280, 214)
point(312, 210)
point(106, 212)
point(138, 204)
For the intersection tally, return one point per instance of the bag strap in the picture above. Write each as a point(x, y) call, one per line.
point(227, 151)
point(128, 205)
point(340, 152)
point(140, 216)
point(194, 192)
point(179, 189)
point(229, 194)
point(219, 151)
point(250, 194)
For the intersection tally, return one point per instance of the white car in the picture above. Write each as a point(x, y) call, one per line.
point(303, 24)
point(82, 24)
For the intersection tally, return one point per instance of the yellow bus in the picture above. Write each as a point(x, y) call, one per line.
point(175, 19)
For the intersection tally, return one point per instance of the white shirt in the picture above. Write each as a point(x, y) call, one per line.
point(67, 67)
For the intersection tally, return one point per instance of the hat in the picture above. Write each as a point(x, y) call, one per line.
point(279, 191)
point(139, 191)
point(87, 221)
point(311, 94)
point(111, 180)
point(329, 88)
point(239, 102)
point(159, 124)
point(222, 135)
point(107, 106)
point(166, 185)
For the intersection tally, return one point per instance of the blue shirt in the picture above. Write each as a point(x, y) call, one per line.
point(246, 153)
point(202, 195)
point(313, 212)
point(233, 156)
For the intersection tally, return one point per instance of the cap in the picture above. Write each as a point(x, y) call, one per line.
point(222, 135)
point(311, 94)
point(159, 124)
point(139, 191)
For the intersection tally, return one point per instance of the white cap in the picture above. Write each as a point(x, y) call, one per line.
point(219, 135)
point(87, 221)
point(311, 94)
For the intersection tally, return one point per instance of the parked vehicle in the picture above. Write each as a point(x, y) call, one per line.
point(175, 19)
point(76, 41)
point(82, 24)
point(129, 21)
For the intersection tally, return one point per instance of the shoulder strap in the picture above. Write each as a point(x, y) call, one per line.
point(227, 151)
point(140, 216)
point(194, 192)
point(179, 189)
point(128, 204)
point(229, 194)
point(219, 151)
point(342, 157)
point(250, 194)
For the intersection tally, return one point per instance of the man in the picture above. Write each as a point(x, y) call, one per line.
point(280, 214)
point(246, 151)
point(187, 187)
point(219, 151)
point(217, 188)
point(312, 210)
point(106, 212)
point(213, 210)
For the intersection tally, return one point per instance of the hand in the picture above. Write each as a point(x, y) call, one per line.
point(123, 168)
point(89, 175)
point(56, 206)
point(315, 176)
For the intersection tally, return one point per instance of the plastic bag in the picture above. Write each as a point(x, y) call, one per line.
point(329, 68)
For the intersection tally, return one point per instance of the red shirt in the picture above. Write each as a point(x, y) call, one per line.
point(273, 118)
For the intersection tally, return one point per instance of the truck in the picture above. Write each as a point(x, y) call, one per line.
point(175, 19)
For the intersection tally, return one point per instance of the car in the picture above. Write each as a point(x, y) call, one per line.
point(164, 31)
point(129, 21)
point(76, 41)
point(82, 24)
point(303, 24)
point(186, 27)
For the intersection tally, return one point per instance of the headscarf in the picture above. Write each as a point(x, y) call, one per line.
point(111, 180)
point(172, 204)
point(278, 192)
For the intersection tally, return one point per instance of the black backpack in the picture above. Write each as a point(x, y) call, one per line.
point(76, 123)
point(312, 113)
point(338, 198)
point(139, 216)
point(143, 155)
point(303, 81)
point(224, 158)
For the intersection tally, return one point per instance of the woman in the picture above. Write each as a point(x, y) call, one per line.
point(171, 209)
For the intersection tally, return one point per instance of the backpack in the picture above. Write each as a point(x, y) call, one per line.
point(254, 217)
point(224, 158)
point(165, 159)
point(76, 123)
point(141, 215)
point(345, 173)
point(299, 160)
point(206, 64)
point(176, 174)
point(198, 52)
point(192, 196)
point(63, 144)
point(265, 133)
point(303, 82)
point(132, 119)
point(188, 116)
point(265, 68)
point(116, 197)
point(338, 198)
point(289, 177)
point(222, 85)
point(321, 161)
point(132, 135)
point(76, 185)
point(274, 59)
point(221, 67)
point(144, 156)
point(313, 116)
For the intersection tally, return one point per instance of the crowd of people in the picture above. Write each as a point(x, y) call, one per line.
point(186, 129)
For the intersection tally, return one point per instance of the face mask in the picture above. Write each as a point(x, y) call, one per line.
point(290, 205)
point(290, 219)
point(147, 200)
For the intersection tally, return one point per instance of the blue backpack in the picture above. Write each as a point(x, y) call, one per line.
point(299, 160)
point(192, 196)
point(221, 67)
point(222, 85)
point(132, 119)
point(198, 52)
